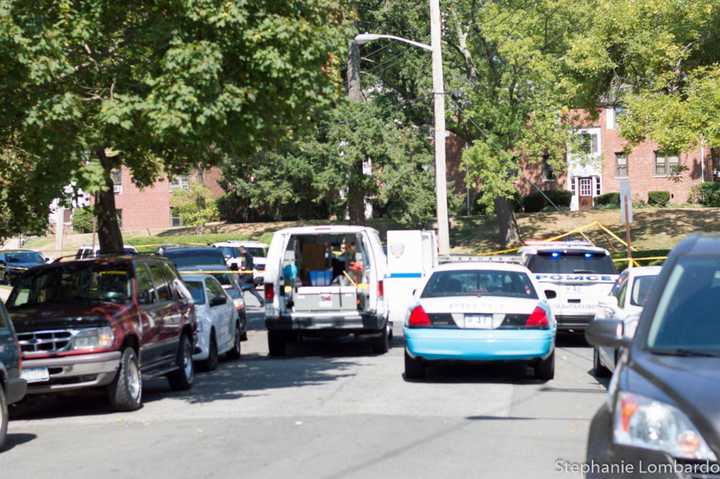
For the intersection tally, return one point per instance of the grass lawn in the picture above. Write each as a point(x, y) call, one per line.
point(654, 231)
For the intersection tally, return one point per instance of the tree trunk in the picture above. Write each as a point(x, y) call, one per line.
point(506, 222)
point(109, 235)
point(356, 200)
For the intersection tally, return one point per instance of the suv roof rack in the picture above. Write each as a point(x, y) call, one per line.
point(460, 258)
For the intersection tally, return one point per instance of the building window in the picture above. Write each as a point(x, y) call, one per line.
point(175, 219)
point(586, 186)
point(572, 185)
point(587, 143)
point(116, 177)
point(666, 164)
point(119, 218)
point(180, 182)
point(598, 186)
point(621, 165)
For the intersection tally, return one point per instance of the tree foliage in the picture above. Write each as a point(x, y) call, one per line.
point(159, 87)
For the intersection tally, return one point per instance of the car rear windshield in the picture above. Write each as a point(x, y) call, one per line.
point(686, 315)
point(259, 252)
point(24, 257)
point(230, 251)
point(563, 262)
point(74, 283)
point(514, 284)
point(193, 257)
point(197, 290)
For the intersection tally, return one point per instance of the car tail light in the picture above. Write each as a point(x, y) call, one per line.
point(269, 292)
point(538, 319)
point(381, 289)
point(419, 318)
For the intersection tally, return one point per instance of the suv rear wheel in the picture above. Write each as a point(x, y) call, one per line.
point(3, 417)
point(125, 392)
point(182, 378)
point(381, 344)
point(277, 343)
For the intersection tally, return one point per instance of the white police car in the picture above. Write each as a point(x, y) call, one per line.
point(574, 276)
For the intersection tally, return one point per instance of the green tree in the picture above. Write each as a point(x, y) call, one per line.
point(506, 77)
point(659, 59)
point(159, 87)
point(195, 206)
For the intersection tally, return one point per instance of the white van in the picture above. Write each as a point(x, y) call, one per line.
point(313, 288)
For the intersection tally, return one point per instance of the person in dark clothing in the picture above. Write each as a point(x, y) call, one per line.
point(247, 282)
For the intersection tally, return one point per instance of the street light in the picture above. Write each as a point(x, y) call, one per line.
point(439, 99)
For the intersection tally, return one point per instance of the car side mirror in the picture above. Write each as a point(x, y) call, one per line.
point(233, 267)
point(550, 294)
point(608, 301)
point(218, 300)
point(608, 333)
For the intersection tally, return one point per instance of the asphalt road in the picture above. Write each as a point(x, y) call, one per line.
point(330, 410)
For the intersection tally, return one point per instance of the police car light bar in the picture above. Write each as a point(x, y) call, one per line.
point(516, 259)
point(559, 244)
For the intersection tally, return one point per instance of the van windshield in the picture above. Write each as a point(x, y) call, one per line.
point(563, 262)
point(72, 283)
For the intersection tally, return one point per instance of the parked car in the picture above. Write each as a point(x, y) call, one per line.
point(235, 261)
point(12, 386)
point(219, 329)
point(480, 312)
point(105, 322)
point(208, 259)
point(94, 251)
point(15, 262)
point(309, 290)
point(625, 302)
point(662, 404)
point(574, 275)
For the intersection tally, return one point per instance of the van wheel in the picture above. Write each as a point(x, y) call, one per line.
point(381, 344)
point(277, 343)
point(414, 368)
point(236, 350)
point(599, 370)
point(182, 378)
point(125, 392)
point(3, 417)
point(545, 369)
point(211, 363)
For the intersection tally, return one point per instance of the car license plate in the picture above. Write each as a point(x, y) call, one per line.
point(35, 375)
point(479, 321)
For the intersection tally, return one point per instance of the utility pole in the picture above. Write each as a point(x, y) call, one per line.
point(353, 73)
point(440, 133)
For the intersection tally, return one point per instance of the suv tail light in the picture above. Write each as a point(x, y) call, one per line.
point(269, 292)
point(381, 290)
point(538, 319)
point(419, 318)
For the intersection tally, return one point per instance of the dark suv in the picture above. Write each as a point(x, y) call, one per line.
point(104, 323)
point(12, 387)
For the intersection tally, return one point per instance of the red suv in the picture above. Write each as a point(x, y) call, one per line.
point(104, 323)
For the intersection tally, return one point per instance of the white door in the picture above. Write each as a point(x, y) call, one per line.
point(219, 314)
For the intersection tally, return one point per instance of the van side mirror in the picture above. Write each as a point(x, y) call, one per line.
point(218, 300)
point(550, 294)
point(609, 333)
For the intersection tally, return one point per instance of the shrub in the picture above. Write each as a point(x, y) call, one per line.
point(707, 194)
point(82, 220)
point(611, 200)
point(659, 198)
point(536, 202)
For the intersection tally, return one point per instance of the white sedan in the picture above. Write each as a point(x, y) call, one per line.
point(625, 303)
point(218, 324)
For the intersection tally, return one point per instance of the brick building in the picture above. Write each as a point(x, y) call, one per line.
point(149, 208)
point(604, 162)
